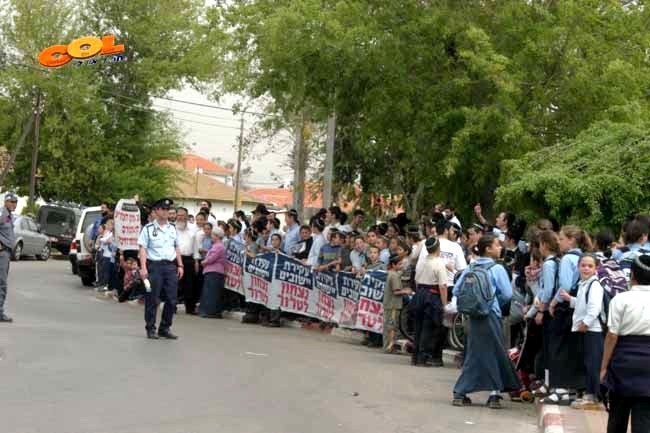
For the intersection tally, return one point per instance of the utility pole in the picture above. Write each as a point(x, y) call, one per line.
point(329, 160)
point(299, 168)
point(239, 155)
point(37, 127)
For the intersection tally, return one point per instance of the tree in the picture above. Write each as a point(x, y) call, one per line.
point(432, 96)
point(100, 137)
point(599, 179)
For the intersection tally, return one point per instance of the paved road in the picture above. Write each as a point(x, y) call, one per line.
point(72, 363)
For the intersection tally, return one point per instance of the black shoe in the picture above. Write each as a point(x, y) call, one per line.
point(151, 334)
point(437, 363)
point(5, 319)
point(464, 401)
point(494, 402)
point(167, 334)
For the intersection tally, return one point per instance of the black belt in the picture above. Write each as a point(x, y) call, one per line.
point(162, 262)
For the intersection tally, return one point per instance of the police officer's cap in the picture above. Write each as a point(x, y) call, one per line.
point(10, 196)
point(163, 203)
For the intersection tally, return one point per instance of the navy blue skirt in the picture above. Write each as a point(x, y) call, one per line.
point(487, 366)
point(627, 373)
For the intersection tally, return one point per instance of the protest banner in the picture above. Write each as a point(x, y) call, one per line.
point(127, 224)
point(292, 285)
point(326, 294)
point(370, 308)
point(258, 275)
point(234, 268)
point(348, 296)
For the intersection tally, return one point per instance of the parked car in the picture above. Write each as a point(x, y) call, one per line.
point(84, 260)
point(29, 240)
point(59, 221)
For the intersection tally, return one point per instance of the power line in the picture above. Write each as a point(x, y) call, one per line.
point(150, 110)
point(197, 114)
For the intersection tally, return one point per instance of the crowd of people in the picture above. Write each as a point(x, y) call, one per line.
point(580, 302)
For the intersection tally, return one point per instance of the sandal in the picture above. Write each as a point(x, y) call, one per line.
point(560, 399)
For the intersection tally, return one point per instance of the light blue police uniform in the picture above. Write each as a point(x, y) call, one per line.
point(160, 243)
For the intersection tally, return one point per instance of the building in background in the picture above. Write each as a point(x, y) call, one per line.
point(195, 187)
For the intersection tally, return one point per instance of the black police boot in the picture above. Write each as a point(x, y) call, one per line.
point(151, 334)
point(166, 333)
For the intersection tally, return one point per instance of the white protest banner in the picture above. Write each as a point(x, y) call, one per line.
point(348, 296)
point(292, 284)
point(325, 287)
point(370, 309)
point(258, 275)
point(127, 224)
point(234, 268)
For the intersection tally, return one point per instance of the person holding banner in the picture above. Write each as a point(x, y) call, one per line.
point(161, 264)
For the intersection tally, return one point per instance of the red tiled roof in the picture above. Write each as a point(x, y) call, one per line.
point(204, 187)
point(191, 162)
point(283, 197)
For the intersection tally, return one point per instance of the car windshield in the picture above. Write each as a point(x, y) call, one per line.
point(55, 220)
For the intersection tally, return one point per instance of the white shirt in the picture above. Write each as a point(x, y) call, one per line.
point(629, 312)
point(432, 272)
point(319, 241)
point(186, 241)
point(452, 253)
point(198, 240)
point(586, 310)
point(106, 241)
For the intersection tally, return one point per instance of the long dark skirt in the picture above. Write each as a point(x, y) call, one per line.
point(429, 330)
point(627, 373)
point(565, 359)
point(211, 296)
point(487, 366)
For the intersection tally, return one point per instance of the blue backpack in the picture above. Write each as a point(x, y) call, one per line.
point(475, 295)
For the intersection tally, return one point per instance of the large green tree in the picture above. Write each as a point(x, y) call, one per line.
point(100, 137)
point(432, 96)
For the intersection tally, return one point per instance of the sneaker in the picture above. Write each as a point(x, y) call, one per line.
point(461, 401)
point(494, 402)
point(5, 319)
point(586, 403)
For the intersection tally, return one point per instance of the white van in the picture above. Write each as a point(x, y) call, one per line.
point(81, 250)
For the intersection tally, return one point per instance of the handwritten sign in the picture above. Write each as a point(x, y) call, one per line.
point(127, 224)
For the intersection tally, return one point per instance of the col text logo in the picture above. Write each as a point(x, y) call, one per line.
point(80, 49)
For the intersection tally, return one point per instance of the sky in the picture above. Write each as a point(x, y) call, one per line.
point(214, 133)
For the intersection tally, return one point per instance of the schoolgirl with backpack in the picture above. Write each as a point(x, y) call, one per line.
point(564, 361)
point(481, 291)
point(587, 303)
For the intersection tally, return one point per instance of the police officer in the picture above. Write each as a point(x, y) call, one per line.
point(161, 263)
point(6, 245)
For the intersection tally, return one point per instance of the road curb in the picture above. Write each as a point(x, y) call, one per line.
point(550, 418)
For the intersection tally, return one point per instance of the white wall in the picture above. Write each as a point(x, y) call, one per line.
point(222, 210)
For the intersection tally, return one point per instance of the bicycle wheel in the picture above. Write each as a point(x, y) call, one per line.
point(407, 321)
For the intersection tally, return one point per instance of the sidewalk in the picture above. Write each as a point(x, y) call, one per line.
point(562, 419)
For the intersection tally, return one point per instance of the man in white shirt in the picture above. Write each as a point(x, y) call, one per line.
point(186, 238)
point(450, 252)
point(624, 370)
